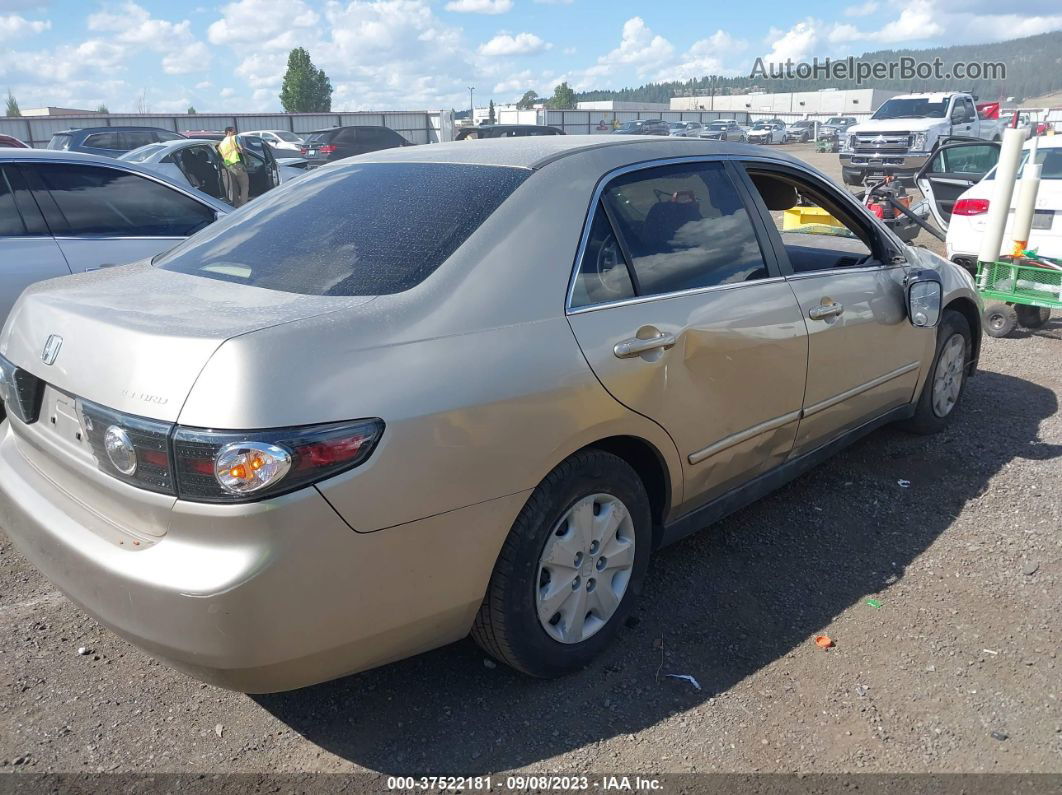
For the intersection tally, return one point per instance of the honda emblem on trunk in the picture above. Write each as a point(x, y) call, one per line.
point(51, 348)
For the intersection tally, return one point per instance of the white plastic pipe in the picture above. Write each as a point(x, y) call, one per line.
point(1025, 208)
point(999, 206)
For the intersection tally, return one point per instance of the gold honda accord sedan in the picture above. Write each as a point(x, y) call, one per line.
point(455, 389)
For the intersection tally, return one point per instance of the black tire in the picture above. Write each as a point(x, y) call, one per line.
point(926, 420)
point(1032, 317)
point(507, 626)
point(1000, 319)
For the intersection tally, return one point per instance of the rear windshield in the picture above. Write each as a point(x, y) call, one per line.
point(319, 137)
point(142, 153)
point(284, 135)
point(359, 229)
point(59, 142)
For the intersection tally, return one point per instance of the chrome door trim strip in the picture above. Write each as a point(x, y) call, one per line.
point(795, 277)
point(822, 405)
point(641, 299)
point(742, 436)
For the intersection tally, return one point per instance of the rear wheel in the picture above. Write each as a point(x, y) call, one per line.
point(947, 378)
point(1033, 317)
point(568, 571)
point(1000, 319)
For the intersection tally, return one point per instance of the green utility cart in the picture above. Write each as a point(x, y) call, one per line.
point(1018, 293)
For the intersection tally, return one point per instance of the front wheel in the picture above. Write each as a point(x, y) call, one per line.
point(568, 571)
point(946, 381)
point(1000, 319)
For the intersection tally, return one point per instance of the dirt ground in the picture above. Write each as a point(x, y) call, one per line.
point(955, 668)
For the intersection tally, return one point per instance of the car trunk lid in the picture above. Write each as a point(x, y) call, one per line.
point(135, 338)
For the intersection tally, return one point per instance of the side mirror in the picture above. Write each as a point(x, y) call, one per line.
point(925, 293)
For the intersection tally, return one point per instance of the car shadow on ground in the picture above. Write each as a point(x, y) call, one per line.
point(719, 605)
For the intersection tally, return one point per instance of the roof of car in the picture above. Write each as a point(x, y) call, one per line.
point(540, 150)
point(115, 128)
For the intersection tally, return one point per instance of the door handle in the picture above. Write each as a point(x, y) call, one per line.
point(825, 310)
point(635, 346)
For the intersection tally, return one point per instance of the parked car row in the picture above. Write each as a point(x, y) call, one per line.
point(205, 448)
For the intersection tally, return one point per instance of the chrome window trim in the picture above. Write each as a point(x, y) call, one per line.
point(644, 299)
point(602, 183)
point(643, 165)
point(121, 237)
point(795, 277)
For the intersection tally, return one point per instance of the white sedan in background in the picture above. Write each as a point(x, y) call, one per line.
point(959, 184)
point(280, 139)
point(767, 132)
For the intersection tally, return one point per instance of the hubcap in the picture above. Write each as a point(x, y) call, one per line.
point(585, 568)
point(948, 381)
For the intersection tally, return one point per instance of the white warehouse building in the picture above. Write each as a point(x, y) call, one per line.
point(825, 101)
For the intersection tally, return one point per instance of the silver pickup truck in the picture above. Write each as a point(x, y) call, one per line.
point(902, 133)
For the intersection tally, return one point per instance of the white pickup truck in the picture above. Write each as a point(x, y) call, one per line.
point(902, 133)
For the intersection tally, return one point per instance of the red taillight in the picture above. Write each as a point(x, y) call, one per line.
point(303, 150)
point(970, 207)
point(327, 149)
point(329, 453)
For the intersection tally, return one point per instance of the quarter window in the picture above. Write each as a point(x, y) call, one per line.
point(11, 224)
point(603, 274)
point(99, 201)
point(684, 227)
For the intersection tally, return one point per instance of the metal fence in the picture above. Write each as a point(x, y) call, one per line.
point(418, 127)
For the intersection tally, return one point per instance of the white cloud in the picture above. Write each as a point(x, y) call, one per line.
point(204, 85)
point(12, 26)
point(520, 44)
point(798, 43)
point(917, 22)
point(555, 2)
point(480, 6)
point(132, 27)
point(862, 10)
point(704, 57)
point(516, 83)
point(261, 21)
point(639, 45)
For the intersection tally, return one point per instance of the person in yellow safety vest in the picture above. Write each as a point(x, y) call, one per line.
point(232, 156)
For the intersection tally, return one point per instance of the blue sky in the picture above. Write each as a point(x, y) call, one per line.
point(411, 54)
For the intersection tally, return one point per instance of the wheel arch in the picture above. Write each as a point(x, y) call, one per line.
point(648, 462)
point(968, 309)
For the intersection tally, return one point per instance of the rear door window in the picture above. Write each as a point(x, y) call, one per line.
point(103, 140)
point(361, 229)
point(684, 227)
point(96, 201)
point(133, 139)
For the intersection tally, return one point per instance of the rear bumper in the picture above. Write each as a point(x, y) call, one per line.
point(262, 597)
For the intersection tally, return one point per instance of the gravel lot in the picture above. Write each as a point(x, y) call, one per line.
point(957, 670)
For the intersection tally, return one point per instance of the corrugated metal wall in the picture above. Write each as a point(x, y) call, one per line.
point(419, 127)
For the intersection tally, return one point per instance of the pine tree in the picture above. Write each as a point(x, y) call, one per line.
point(12, 105)
point(306, 88)
point(491, 118)
point(102, 108)
point(191, 110)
